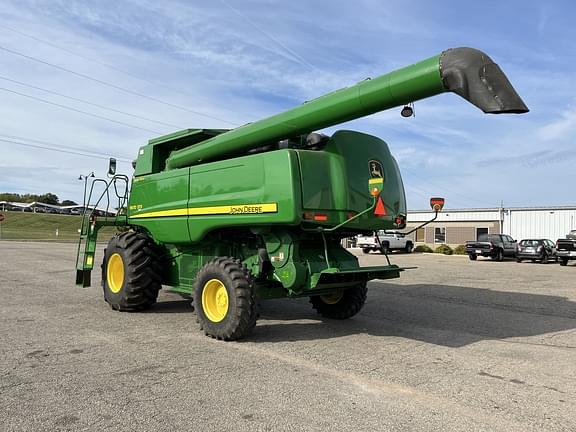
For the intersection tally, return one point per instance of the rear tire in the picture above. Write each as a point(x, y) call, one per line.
point(343, 304)
point(385, 248)
point(472, 257)
point(409, 247)
point(225, 299)
point(499, 255)
point(131, 272)
point(518, 260)
point(563, 261)
point(366, 250)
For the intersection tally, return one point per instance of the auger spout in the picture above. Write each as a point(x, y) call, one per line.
point(468, 72)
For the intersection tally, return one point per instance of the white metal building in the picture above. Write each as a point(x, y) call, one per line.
point(456, 226)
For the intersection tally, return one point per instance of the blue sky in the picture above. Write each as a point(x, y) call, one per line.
point(217, 64)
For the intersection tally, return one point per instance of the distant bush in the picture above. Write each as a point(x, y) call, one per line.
point(444, 249)
point(423, 248)
point(460, 250)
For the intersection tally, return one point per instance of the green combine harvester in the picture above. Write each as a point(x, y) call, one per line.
point(232, 217)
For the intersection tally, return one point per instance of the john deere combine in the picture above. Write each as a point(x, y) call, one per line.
point(229, 217)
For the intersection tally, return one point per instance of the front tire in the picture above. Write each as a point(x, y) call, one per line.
point(563, 261)
point(131, 272)
point(225, 299)
point(342, 304)
point(366, 250)
point(409, 247)
point(472, 257)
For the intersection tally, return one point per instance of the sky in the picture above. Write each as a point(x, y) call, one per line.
point(82, 81)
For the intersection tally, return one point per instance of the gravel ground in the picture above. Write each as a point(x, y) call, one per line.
point(454, 345)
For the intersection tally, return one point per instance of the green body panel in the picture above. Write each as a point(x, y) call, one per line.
point(334, 182)
point(165, 193)
point(182, 206)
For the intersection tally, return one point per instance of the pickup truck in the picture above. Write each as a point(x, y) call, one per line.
point(495, 246)
point(566, 248)
point(391, 240)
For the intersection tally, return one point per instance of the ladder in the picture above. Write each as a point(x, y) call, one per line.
point(95, 217)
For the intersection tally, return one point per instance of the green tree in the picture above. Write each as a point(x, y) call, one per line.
point(49, 198)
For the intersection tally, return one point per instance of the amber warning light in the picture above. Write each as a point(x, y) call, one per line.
point(437, 204)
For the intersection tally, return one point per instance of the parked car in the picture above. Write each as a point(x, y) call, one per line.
point(495, 246)
point(536, 250)
point(566, 248)
point(391, 240)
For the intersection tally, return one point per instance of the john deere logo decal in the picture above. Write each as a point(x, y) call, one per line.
point(375, 168)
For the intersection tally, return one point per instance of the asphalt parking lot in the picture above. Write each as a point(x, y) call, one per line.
point(452, 346)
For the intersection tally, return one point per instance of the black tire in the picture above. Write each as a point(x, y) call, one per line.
point(499, 255)
point(131, 272)
point(518, 260)
point(544, 259)
point(472, 257)
point(342, 305)
point(237, 319)
point(409, 247)
point(563, 261)
point(385, 249)
point(366, 250)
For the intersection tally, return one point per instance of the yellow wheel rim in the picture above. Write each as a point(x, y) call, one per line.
point(215, 300)
point(115, 273)
point(333, 298)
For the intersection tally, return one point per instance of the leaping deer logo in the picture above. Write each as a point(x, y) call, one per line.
point(375, 169)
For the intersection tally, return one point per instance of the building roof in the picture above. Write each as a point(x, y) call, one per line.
point(493, 209)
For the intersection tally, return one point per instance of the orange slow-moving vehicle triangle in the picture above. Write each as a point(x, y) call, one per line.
point(380, 209)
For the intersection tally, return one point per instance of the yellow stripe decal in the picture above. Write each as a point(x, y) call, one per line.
point(237, 209)
point(375, 180)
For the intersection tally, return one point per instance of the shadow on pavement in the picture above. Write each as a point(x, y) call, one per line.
point(438, 314)
point(171, 306)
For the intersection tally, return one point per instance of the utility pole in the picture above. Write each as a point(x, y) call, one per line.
point(85, 178)
point(501, 216)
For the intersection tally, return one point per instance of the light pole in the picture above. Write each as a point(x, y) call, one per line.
point(85, 178)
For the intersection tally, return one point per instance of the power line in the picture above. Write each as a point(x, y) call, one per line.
point(101, 63)
point(80, 111)
point(114, 86)
point(90, 103)
point(61, 150)
point(51, 144)
point(294, 55)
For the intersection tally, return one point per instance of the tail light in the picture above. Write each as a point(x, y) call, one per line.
point(318, 217)
point(400, 221)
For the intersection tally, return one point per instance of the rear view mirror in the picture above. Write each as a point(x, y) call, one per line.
point(437, 204)
point(112, 167)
